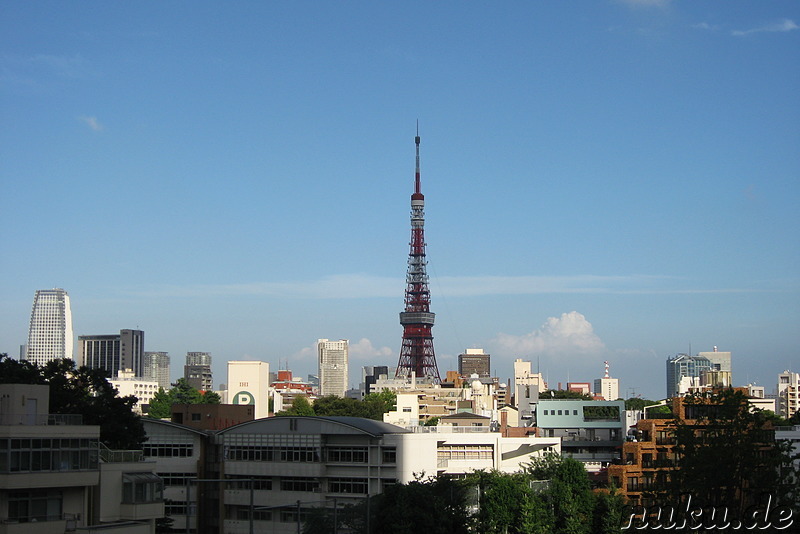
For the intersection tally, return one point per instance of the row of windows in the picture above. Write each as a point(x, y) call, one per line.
point(465, 452)
point(46, 443)
point(177, 479)
point(272, 454)
point(168, 450)
point(357, 455)
point(16, 461)
point(566, 412)
point(34, 505)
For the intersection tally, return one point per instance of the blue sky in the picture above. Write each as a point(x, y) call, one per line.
point(607, 180)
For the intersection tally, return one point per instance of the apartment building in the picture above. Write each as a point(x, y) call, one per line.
point(56, 477)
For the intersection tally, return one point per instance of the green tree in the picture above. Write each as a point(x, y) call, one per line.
point(572, 498)
point(727, 455)
point(182, 392)
point(608, 512)
point(429, 506)
point(300, 407)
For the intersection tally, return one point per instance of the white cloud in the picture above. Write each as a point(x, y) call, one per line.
point(786, 25)
point(93, 123)
point(705, 26)
point(363, 349)
point(565, 336)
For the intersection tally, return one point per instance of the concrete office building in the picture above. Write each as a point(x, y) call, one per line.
point(590, 431)
point(55, 477)
point(50, 328)
point(272, 464)
point(720, 361)
point(248, 384)
point(197, 371)
point(333, 367)
point(474, 361)
point(683, 367)
point(156, 367)
point(114, 352)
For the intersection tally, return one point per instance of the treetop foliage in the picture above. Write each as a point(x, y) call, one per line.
point(373, 406)
point(181, 393)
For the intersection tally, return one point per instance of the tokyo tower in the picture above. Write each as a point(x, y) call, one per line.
point(416, 354)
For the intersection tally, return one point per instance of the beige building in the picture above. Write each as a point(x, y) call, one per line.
point(248, 384)
point(56, 477)
point(333, 367)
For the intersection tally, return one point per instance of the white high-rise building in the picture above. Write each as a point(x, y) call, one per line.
point(607, 387)
point(50, 331)
point(333, 360)
point(156, 367)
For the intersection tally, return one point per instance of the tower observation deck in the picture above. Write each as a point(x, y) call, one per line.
point(416, 354)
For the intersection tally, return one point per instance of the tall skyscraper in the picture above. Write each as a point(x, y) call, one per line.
point(474, 362)
point(114, 352)
point(333, 361)
point(416, 353)
point(197, 370)
point(50, 330)
point(682, 368)
point(156, 367)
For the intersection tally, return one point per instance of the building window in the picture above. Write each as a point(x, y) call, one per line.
point(347, 485)
point(168, 450)
point(35, 505)
point(389, 456)
point(140, 488)
point(355, 455)
point(299, 484)
point(177, 479)
point(254, 482)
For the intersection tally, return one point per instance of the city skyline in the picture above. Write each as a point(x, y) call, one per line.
point(603, 180)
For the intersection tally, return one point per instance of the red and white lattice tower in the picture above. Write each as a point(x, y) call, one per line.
point(416, 354)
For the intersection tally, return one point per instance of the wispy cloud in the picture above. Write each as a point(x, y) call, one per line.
point(786, 25)
point(348, 286)
point(93, 123)
point(705, 26)
point(645, 3)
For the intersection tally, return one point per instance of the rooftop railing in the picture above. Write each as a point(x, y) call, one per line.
point(40, 419)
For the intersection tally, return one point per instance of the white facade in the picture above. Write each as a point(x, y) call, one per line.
point(608, 388)
point(50, 330)
point(788, 391)
point(156, 367)
point(142, 388)
point(407, 412)
point(248, 383)
point(333, 367)
point(527, 386)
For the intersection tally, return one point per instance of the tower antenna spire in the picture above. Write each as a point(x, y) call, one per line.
point(417, 357)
